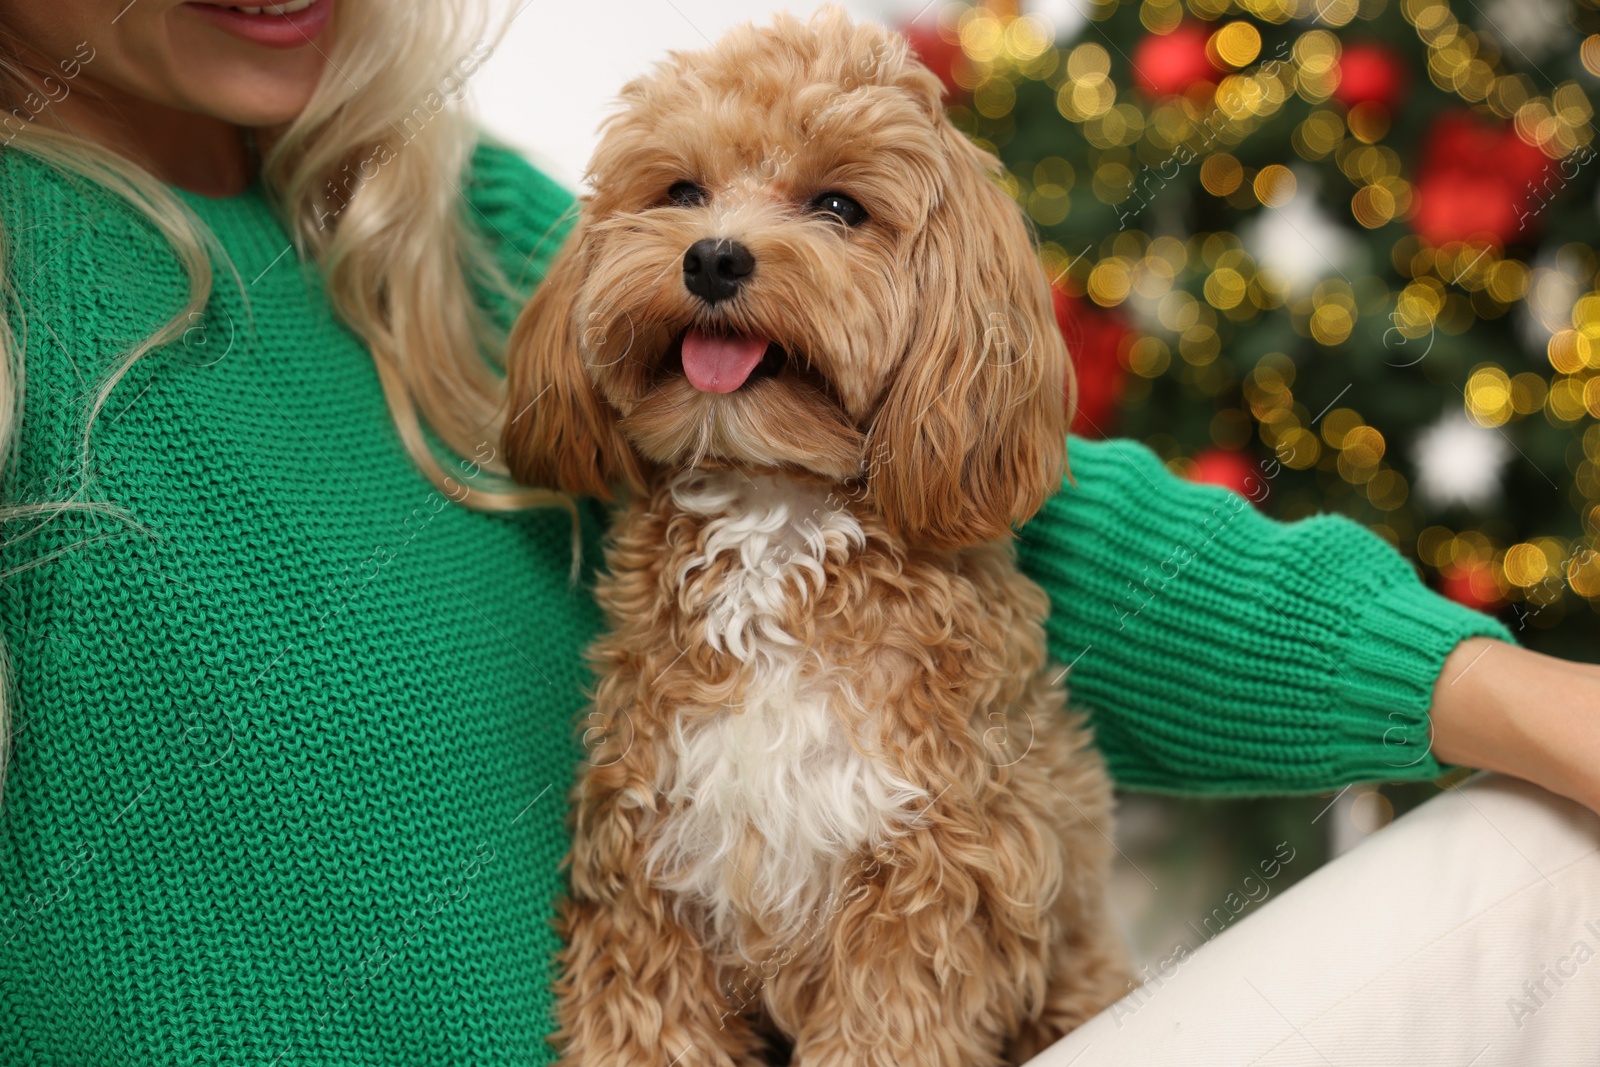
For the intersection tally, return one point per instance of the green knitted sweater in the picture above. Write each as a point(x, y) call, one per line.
point(293, 738)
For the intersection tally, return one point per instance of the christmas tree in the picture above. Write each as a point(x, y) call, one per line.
point(1335, 254)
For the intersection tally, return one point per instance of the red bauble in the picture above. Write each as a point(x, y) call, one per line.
point(1168, 64)
point(1094, 341)
point(1370, 73)
point(1231, 470)
point(1474, 182)
point(1455, 207)
point(1473, 587)
point(936, 53)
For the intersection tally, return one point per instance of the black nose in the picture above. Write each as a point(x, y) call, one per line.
point(714, 267)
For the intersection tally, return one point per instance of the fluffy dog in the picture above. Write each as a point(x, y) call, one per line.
point(835, 792)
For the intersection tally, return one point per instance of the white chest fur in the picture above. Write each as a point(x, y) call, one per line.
point(770, 801)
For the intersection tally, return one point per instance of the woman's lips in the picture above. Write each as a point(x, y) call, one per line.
point(290, 30)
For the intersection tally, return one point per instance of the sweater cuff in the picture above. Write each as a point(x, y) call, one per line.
point(1392, 656)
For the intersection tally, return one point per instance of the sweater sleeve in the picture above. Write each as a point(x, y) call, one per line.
point(1219, 651)
point(522, 214)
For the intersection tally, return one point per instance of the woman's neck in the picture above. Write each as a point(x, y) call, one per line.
point(196, 152)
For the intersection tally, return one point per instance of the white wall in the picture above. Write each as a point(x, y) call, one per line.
point(547, 87)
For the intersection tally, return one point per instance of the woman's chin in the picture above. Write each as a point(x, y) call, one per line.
point(254, 109)
point(240, 84)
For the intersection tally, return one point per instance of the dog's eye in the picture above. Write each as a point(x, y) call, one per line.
point(852, 213)
point(686, 194)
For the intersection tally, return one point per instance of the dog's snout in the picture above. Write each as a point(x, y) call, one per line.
point(715, 267)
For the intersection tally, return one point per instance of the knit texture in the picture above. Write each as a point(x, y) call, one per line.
point(294, 736)
point(1219, 651)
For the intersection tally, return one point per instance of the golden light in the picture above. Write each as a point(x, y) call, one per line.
point(1338, 423)
point(1564, 353)
point(1109, 282)
point(1354, 473)
point(1372, 206)
point(1315, 52)
point(1319, 134)
point(1488, 396)
point(1430, 17)
point(994, 97)
point(1149, 357)
point(1418, 306)
point(1275, 185)
point(1298, 448)
point(1235, 45)
point(1589, 52)
point(1224, 288)
point(982, 35)
point(1363, 446)
point(1053, 170)
point(1119, 125)
point(1388, 490)
point(1082, 99)
point(1086, 60)
point(1239, 96)
point(1049, 204)
point(1525, 565)
point(1571, 104)
point(1331, 324)
point(1564, 404)
point(1583, 573)
point(1220, 174)
point(1433, 546)
point(1178, 311)
point(1271, 10)
point(1159, 17)
point(1528, 392)
point(1112, 183)
point(1026, 38)
point(1471, 547)
point(1170, 251)
point(1336, 12)
point(1369, 121)
point(1199, 344)
point(1508, 281)
point(1586, 315)
point(1508, 93)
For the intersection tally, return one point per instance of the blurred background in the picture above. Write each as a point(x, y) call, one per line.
point(1357, 237)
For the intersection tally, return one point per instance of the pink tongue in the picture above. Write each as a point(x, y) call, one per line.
point(720, 364)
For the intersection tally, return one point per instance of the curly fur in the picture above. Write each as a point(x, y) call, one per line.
point(837, 792)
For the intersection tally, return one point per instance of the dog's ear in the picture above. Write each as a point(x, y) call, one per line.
point(560, 433)
point(971, 434)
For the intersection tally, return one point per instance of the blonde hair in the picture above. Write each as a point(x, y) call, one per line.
point(403, 268)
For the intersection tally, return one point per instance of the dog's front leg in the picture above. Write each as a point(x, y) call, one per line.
point(636, 988)
point(924, 967)
point(638, 991)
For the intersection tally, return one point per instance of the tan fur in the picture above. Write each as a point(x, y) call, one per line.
point(919, 416)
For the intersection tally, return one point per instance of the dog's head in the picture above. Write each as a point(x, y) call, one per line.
point(791, 260)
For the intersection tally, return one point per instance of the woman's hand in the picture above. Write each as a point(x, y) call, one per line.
point(1506, 709)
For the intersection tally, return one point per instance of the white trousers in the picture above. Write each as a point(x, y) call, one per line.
point(1465, 934)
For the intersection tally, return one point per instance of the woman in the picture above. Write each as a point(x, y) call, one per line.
point(293, 670)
